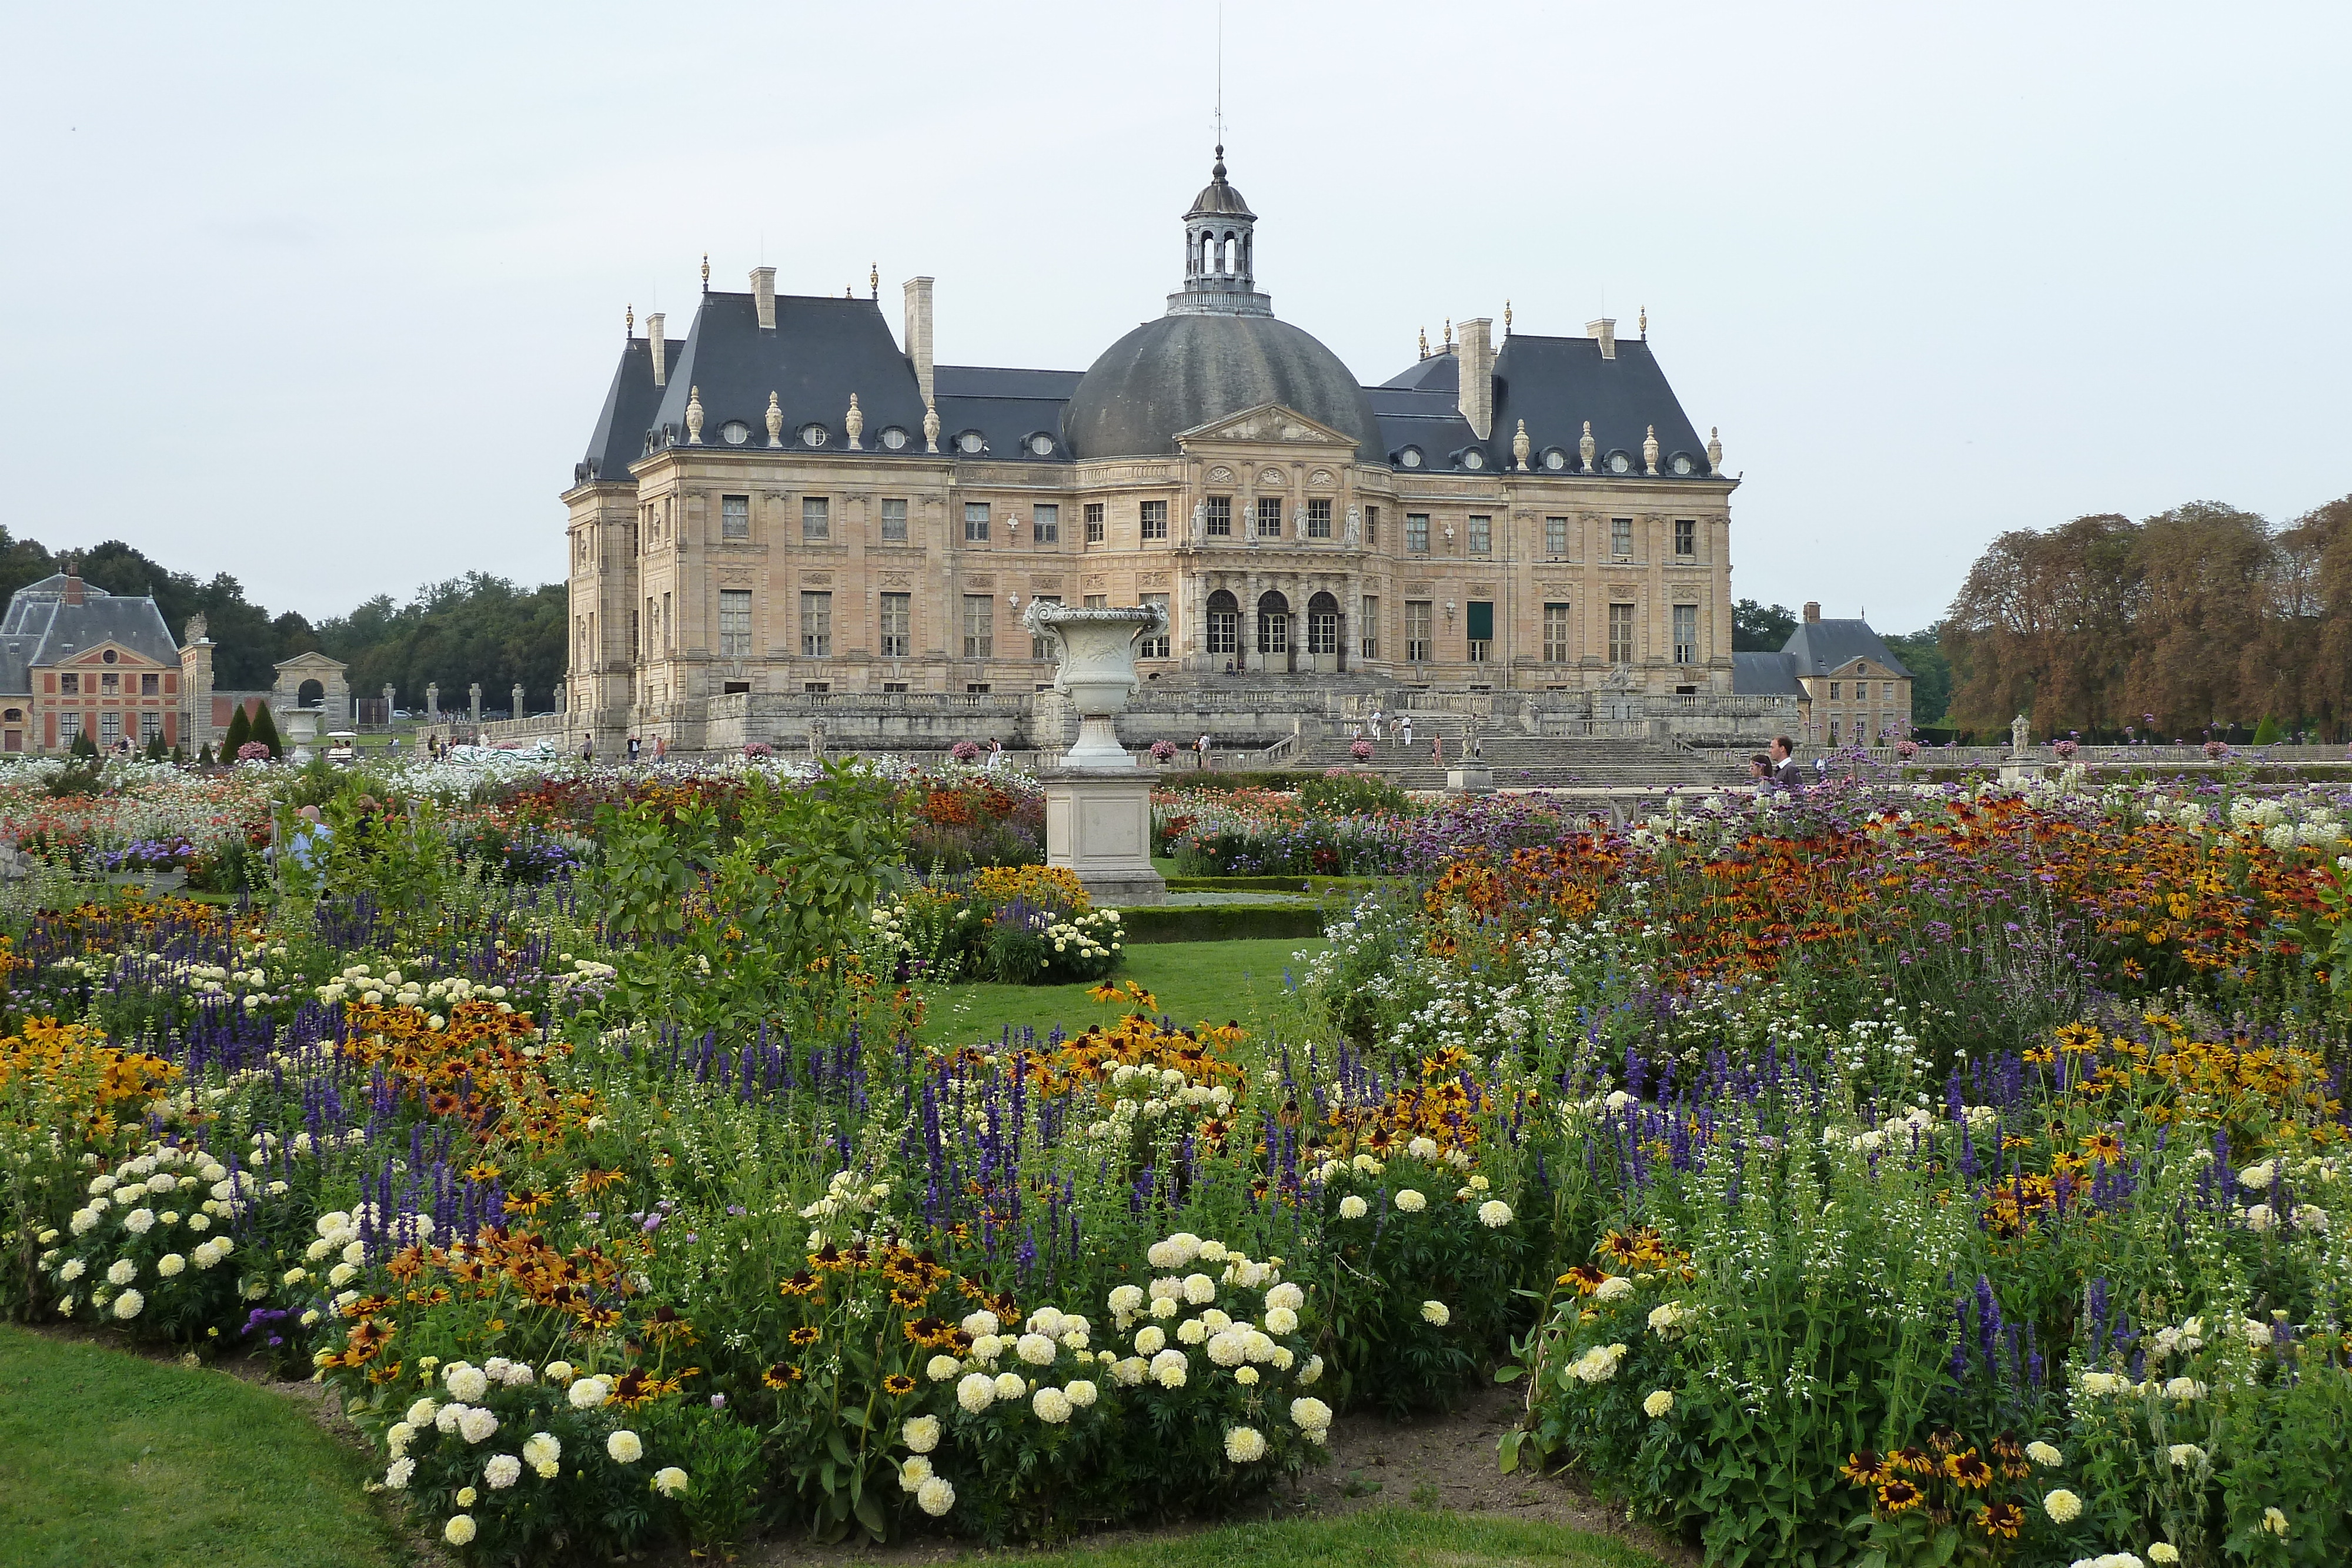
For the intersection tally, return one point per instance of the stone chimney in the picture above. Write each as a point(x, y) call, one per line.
point(661, 349)
point(1474, 374)
point(1812, 609)
point(763, 295)
point(918, 333)
point(1605, 328)
point(73, 584)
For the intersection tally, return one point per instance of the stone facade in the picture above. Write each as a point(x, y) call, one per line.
point(869, 524)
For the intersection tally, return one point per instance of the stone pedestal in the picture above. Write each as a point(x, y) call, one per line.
point(1470, 778)
point(1099, 824)
point(301, 728)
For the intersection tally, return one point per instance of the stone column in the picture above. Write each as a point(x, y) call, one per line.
point(514, 707)
point(433, 702)
point(474, 702)
point(387, 701)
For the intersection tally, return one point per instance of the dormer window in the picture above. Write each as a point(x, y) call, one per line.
point(109, 656)
point(1681, 466)
point(1621, 462)
point(1041, 445)
point(1409, 458)
point(812, 435)
point(1474, 459)
point(894, 439)
point(734, 433)
point(1555, 461)
point(970, 443)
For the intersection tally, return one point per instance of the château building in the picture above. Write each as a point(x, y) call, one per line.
point(792, 501)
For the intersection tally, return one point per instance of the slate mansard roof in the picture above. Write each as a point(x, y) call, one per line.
point(1171, 374)
point(1825, 647)
point(40, 629)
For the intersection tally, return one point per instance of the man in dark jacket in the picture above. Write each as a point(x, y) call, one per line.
point(1784, 765)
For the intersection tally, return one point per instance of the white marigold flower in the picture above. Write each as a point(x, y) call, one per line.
point(1036, 1349)
point(421, 1414)
point(1225, 1349)
point(981, 1324)
point(170, 1264)
point(1615, 1288)
point(940, 1368)
point(559, 1371)
point(1311, 1372)
point(1169, 1368)
point(82, 1220)
point(1081, 1393)
point(1150, 1340)
point(2043, 1454)
point(2275, 1521)
point(1192, 1330)
point(976, 1393)
point(1010, 1385)
point(1127, 1299)
point(625, 1447)
point(341, 1274)
point(2063, 1506)
point(1411, 1200)
point(127, 1305)
point(1244, 1445)
point(460, 1530)
point(1285, 1295)
point(1659, 1404)
point(478, 1424)
point(921, 1434)
point(1309, 1414)
point(1352, 1208)
point(397, 1437)
point(138, 1221)
point(1436, 1313)
point(1045, 1321)
point(1051, 1405)
point(121, 1271)
point(669, 1480)
point(1215, 1322)
point(70, 1270)
point(2184, 1389)
point(2096, 1383)
point(1281, 1320)
point(914, 1472)
point(1130, 1371)
point(2163, 1551)
point(2185, 1455)
point(446, 1420)
point(502, 1471)
point(935, 1496)
point(396, 1477)
point(1494, 1213)
point(541, 1451)
point(588, 1393)
point(1200, 1289)
point(2258, 1175)
point(1245, 1375)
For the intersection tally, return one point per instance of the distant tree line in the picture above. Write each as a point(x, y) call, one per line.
point(473, 628)
point(2204, 617)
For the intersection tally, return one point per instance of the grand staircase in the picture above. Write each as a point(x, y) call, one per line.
point(1525, 761)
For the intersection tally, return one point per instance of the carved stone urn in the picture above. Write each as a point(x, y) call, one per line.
point(1095, 670)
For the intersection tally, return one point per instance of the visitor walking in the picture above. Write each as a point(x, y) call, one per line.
point(1761, 773)
point(1405, 732)
point(1437, 749)
point(633, 744)
point(587, 746)
point(995, 754)
point(661, 748)
point(1200, 752)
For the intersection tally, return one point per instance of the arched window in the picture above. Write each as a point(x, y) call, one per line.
point(311, 694)
point(1273, 622)
point(1224, 623)
point(1322, 624)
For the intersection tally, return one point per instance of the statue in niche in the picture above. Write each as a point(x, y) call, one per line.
point(1355, 527)
point(1199, 521)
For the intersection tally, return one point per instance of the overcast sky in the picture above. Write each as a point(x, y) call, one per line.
point(329, 301)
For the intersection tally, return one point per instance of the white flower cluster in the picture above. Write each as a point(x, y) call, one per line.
point(390, 986)
point(1094, 935)
point(1598, 1364)
point(163, 1193)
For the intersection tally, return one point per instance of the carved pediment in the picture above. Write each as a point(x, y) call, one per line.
point(1269, 423)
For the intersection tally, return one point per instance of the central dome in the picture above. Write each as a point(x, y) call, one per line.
point(1183, 370)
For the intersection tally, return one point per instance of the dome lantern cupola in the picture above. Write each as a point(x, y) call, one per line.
point(1220, 254)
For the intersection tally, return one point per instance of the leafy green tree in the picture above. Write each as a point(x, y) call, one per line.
point(240, 730)
point(474, 628)
point(265, 730)
point(1922, 654)
point(1761, 628)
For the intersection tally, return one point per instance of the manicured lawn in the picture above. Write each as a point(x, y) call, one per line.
point(1384, 1538)
point(1191, 980)
point(109, 1460)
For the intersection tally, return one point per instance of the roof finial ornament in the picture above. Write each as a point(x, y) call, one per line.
point(1714, 452)
point(1519, 446)
point(1506, 317)
point(694, 416)
point(854, 421)
point(1449, 334)
point(931, 427)
point(1425, 343)
point(873, 280)
point(1585, 446)
point(706, 272)
point(629, 322)
point(775, 422)
point(1643, 320)
point(849, 292)
point(1649, 451)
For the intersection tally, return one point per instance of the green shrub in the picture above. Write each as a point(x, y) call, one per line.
point(1344, 794)
point(1221, 921)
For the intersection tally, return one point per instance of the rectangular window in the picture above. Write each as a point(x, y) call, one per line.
point(1482, 534)
point(1686, 536)
point(889, 686)
point(148, 686)
point(979, 625)
point(69, 684)
point(1322, 632)
point(1621, 633)
point(975, 521)
point(68, 728)
point(1273, 630)
point(1621, 537)
point(1834, 687)
point(734, 518)
point(1416, 533)
point(1372, 525)
point(1367, 641)
point(735, 623)
point(1269, 517)
point(1043, 647)
point(816, 688)
point(975, 689)
point(1049, 523)
point(1556, 650)
point(816, 518)
point(1097, 601)
point(1219, 522)
point(1555, 536)
point(1154, 647)
point(669, 627)
point(1318, 519)
point(1479, 621)
point(1224, 629)
point(898, 624)
point(1834, 732)
point(894, 522)
point(109, 727)
point(110, 683)
point(816, 623)
point(151, 727)
point(1095, 528)
point(1888, 694)
point(1686, 633)
point(1416, 631)
point(635, 651)
point(1153, 523)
